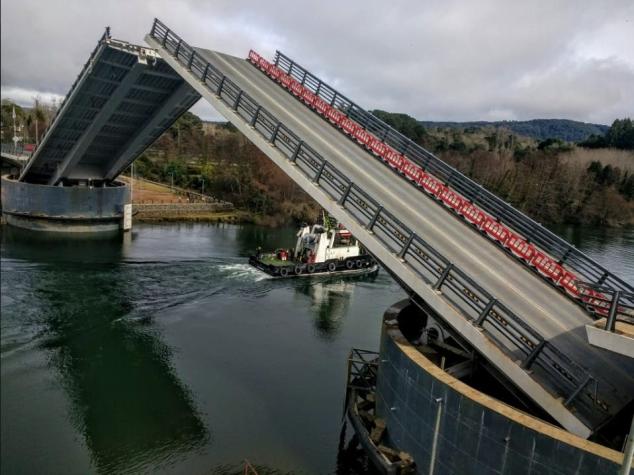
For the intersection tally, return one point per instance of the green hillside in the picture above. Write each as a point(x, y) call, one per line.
point(539, 129)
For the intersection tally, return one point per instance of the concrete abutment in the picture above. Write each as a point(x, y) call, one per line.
point(70, 209)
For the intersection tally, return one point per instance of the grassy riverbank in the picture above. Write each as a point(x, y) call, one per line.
point(154, 202)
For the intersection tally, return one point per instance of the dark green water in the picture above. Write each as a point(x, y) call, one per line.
point(166, 352)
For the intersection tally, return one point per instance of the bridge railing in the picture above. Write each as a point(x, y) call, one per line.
point(620, 305)
point(104, 37)
point(556, 371)
point(557, 247)
point(15, 149)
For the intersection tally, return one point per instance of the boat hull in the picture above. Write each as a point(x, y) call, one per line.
point(360, 265)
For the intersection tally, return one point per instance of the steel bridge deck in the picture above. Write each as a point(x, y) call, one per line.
point(541, 306)
point(547, 310)
point(121, 102)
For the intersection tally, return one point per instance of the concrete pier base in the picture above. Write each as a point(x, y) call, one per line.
point(450, 427)
point(69, 209)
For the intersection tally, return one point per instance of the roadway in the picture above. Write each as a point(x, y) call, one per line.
point(544, 308)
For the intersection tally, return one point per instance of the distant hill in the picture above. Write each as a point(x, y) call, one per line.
point(539, 129)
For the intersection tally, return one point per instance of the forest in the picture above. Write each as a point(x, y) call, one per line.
point(554, 181)
point(539, 129)
point(551, 180)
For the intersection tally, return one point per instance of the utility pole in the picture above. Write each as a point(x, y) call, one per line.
point(15, 133)
point(132, 182)
point(37, 111)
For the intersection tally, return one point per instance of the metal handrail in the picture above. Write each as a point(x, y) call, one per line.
point(104, 37)
point(15, 149)
point(619, 304)
point(546, 363)
point(567, 254)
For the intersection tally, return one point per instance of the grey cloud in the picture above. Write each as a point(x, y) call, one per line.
point(443, 60)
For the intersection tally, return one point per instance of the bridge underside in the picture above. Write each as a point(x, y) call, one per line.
point(255, 104)
point(123, 100)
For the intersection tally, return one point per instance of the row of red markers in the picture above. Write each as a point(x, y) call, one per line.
point(514, 242)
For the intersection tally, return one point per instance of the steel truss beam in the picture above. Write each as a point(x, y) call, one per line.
point(80, 147)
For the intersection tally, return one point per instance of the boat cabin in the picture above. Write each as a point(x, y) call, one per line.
point(317, 244)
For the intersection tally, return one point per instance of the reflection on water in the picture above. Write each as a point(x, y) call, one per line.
point(330, 300)
point(126, 400)
point(164, 351)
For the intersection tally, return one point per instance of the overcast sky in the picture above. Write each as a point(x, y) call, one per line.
point(435, 60)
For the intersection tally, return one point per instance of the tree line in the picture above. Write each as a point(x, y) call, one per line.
point(619, 135)
point(27, 123)
point(551, 180)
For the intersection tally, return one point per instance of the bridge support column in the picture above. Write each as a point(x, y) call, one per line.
point(71, 209)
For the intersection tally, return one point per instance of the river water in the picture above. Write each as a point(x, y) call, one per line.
point(165, 352)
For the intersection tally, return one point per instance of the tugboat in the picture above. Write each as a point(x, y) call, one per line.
point(321, 249)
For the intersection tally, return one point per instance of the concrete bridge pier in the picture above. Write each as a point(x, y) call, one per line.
point(80, 208)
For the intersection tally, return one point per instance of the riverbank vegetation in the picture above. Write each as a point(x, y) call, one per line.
point(215, 159)
point(552, 180)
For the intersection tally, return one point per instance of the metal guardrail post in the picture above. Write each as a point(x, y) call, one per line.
point(220, 84)
point(605, 275)
point(236, 103)
point(530, 359)
point(343, 198)
point(319, 172)
point(610, 324)
point(254, 119)
point(405, 247)
point(204, 76)
point(565, 255)
point(577, 390)
point(443, 276)
point(178, 48)
point(376, 216)
point(365, 122)
point(191, 60)
point(296, 151)
point(275, 131)
point(485, 313)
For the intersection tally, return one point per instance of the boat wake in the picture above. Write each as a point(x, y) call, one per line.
point(242, 271)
